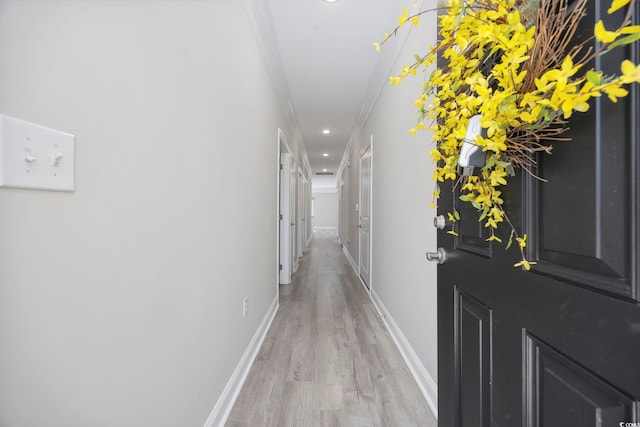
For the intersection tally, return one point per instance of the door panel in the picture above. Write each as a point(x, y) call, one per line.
point(555, 383)
point(583, 219)
point(473, 356)
point(583, 222)
point(472, 234)
point(560, 344)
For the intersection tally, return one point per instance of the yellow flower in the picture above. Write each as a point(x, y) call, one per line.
point(576, 102)
point(524, 263)
point(630, 72)
point(497, 177)
point(494, 237)
point(617, 4)
point(403, 18)
point(491, 223)
point(496, 214)
point(495, 197)
point(522, 241)
point(450, 174)
point(377, 46)
point(602, 35)
point(566, 70)
point(470, 32)
point(631, 29)
point(514, 18)
point(408, 70)
point(615, 91)
point(543, 84)
point(533, 115)
point(495, 144)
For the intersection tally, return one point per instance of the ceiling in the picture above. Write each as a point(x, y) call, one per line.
point(330, 69)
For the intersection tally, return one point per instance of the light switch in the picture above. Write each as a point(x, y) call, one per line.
point(36, 157)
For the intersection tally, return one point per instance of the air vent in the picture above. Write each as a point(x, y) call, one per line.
point(325, 173)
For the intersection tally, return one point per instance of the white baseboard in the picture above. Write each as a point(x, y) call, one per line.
point(356, 269)
point(351, 260)
point(221, 411)
point(324, 228)
point(427, 385)
point(425, 382)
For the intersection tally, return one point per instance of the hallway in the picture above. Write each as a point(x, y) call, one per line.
point(328, 359)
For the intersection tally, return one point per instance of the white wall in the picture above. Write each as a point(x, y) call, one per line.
point(121, 303)
point(325, 210)
point(402, 229)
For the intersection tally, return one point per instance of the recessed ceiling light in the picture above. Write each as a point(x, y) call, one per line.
point(324, 170)
point(325, 154)
point(331, 1)
point(326, 131)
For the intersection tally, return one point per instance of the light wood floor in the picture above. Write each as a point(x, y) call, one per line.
point(328, 360)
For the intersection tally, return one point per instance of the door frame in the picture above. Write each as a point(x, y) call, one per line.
point(368, 147)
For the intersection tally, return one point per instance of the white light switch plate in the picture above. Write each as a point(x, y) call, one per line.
point(36, 157)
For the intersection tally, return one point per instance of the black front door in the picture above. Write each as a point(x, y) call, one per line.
point(558, 345)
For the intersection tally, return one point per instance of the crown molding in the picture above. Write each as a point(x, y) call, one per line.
point(262, 22)
point(379, 78)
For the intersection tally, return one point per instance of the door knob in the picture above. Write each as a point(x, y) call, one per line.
point(440, 222)
point(440, 256)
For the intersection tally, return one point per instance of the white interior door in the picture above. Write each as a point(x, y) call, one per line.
point(364, 223)
point(313, 213)
point(308, 213)
point(285, 228)
point(292, 216)
point(302, 219)
point(340, 214)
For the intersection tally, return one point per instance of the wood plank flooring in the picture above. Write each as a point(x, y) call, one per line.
point(328, 360)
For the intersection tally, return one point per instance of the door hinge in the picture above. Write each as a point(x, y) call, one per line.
point(280, 217)
point(281, 166)
point(280, 267)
